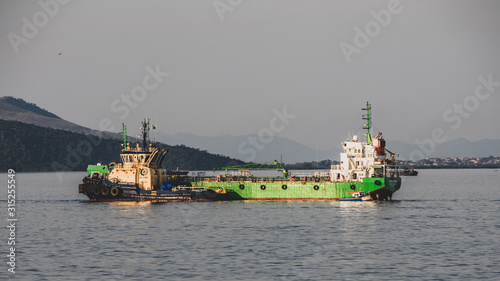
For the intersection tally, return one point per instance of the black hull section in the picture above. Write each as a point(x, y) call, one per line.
point(408, 172)
point(98, 191)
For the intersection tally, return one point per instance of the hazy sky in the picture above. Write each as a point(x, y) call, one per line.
point(231, 62)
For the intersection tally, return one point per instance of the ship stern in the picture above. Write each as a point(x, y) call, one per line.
point(393, 184)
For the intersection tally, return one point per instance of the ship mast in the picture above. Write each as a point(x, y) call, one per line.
point(124, 134)
point(368, 125)
point(145, 133)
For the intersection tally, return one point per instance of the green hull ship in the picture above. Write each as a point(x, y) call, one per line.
point(287, 190)
point(364, 173)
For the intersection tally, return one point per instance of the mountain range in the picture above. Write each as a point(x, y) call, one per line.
point(294, 152)
point(14, 109)
point(460, 147)
point(33, 139)
point(240, 147)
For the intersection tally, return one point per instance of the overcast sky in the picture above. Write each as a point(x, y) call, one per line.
point(231, 62)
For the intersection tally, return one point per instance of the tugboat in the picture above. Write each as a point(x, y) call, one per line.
point(409, 172)
point(140, 177)
point(357, 196)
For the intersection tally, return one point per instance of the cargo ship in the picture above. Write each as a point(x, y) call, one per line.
point(367, 171)
point(364, 173)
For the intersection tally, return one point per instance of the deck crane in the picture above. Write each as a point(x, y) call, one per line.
point(393, 162)
point(275, 165)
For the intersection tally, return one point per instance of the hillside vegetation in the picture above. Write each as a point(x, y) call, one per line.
point(20, 105)
point(15, 109)
point(27, 147)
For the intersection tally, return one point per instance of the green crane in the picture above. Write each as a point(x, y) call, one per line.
point(368, 125)
point(275, 165)
point(124, 135)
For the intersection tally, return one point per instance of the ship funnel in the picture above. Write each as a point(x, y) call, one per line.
point(379, 144)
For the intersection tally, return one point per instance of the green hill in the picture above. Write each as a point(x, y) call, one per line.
point(20, 105)
point(16, 109)
point(26, 147)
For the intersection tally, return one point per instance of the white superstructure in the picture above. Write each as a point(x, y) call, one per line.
point(140, 164)
point(362, 159)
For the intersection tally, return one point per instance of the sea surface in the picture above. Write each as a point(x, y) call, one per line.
point(441, 225)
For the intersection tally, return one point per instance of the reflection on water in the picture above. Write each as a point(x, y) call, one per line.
point(441, 225)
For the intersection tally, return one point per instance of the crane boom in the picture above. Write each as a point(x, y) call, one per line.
point(392, 156)
point(275, 165)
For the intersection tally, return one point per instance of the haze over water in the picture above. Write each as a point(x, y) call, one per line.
point(443, 225)
point(222, 67)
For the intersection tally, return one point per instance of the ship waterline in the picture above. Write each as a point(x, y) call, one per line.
point(376, 188)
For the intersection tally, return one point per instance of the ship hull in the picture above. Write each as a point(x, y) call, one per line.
point(265, 190)
point(98, 191)
point(286, 190)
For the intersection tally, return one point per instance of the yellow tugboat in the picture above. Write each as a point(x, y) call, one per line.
point(140, 177)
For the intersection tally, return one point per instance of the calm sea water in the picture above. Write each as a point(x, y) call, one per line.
point(442, 225)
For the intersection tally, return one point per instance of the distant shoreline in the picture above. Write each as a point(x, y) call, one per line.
point(294, 169)
point(454, 168)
